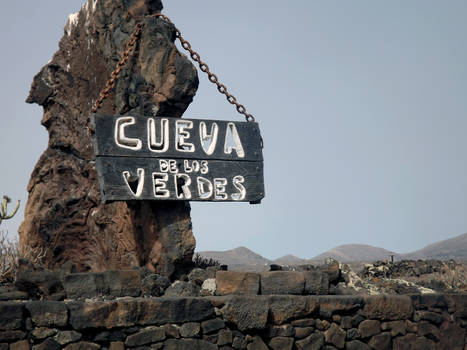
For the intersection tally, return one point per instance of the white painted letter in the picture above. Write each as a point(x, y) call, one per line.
point(173, 166)
point(212, 138)
point(202, 191)
point(232, 132)
point(204, 167)
point(181, 135)
point(238, 183)
point(182, 183)
point(163, 165)
point(219, 189)
point(160, 186)
point(162, 145)
point(120, 139)
point(187, 167)
point(130, 182)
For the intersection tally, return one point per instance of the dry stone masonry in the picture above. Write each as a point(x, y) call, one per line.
point(276, 322)
point(217, 309)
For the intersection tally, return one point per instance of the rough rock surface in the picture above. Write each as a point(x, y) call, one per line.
point(270, 322)
point(64, 218)
point(233, 282)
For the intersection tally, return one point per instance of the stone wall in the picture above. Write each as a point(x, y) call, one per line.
point(432, 321)
point(217, 309)
point(59, 285)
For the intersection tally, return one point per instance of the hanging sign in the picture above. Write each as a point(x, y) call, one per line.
point(145, 158)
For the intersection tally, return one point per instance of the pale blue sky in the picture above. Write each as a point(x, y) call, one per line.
point(362, 106)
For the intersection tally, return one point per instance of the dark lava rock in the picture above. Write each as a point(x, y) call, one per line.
point(335, 335)
point(281, 331)
point(257, 344)
point(368, 328)
point(48, 313)
point(108, 283)
point(154, 285)
point(172, 330)
point(211, 326)
point(281, 343)
point(66, 337)
point(451, 336)
point(11, 335)
point(282, 282)
point(146, 336)
point(353, 334)
point(144, 311)
point(182, 289)
point(7, 288)
point(332, 269)
point(198, 276)
point(429, 316)
point(246, 312)
point(239, 343)
point(388, 307)
point(16, 295)
point(396, 327)
point(40, 284)
point(190, 330)
point(412, 342)
point(82, 345)
point(192, 344)
point(329, 305)
point(42, 332)
point(381, 341)
point(224, 337)
point(303, 332)
point(316, 283)
point(234, 282)
point(48, 344)
point(313, 342)
point(356, 345)
point(12, 315)
point(284, 308)
point(64, 216)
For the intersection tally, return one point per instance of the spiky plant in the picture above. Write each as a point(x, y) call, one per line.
point(203, 263)
point(3, 209)
point(9, 252)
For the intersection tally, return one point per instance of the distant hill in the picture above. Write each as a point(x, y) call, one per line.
point(356, 252)
point(290, 260)
point(240, 258)
point(244, 259)
point(453, 248)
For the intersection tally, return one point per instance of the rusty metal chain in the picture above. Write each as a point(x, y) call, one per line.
point(211, 76)
point(130, 47)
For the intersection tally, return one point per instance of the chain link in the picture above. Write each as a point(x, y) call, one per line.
point(129, 49)
point(205, 68)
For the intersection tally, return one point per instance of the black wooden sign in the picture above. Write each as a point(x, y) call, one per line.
point(145, 158)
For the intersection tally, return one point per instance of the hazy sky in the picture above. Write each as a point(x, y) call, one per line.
point(362, 107)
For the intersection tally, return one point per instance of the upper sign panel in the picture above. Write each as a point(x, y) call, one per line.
point(128, 136)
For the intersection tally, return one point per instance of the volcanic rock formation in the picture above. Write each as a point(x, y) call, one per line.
point(65, 219)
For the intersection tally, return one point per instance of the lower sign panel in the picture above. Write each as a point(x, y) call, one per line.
point(126, 179)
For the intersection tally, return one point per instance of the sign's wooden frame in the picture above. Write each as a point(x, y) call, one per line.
point(145, 158)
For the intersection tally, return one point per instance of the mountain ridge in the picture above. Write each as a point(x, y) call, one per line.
point(452, 248)
point(357, 252)
point(242, 258)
